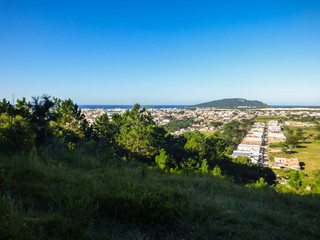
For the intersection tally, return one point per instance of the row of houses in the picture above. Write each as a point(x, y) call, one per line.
point(291, 163)
point(250, 146)
point(299, 124)
point(275, 133)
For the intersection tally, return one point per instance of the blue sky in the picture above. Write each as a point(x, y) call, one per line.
point(161, 52)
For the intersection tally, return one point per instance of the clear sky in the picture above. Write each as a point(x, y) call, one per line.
point(161, 52)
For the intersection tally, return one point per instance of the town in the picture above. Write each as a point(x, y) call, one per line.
point(267, 130)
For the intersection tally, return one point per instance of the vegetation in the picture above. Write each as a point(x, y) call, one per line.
point(216, 124)
point(278, 145)
point(127, 178)
point(176, 125)
point(300, 118)
point(232, 103)
point(234, 132)
point(75, 195)
point(268, 118)
point(306, 148)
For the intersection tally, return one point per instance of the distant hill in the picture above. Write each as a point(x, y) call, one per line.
point(233, 103)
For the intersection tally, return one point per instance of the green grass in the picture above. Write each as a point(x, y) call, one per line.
point(207, 134)
point(277, 145)
point(78, 196)
point(268, 118)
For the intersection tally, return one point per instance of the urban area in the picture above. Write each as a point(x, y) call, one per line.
point(254, 145)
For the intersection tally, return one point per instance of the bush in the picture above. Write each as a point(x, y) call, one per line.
point(260, 184)
point(16, 134)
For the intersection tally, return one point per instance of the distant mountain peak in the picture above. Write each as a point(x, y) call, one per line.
point(233, 103)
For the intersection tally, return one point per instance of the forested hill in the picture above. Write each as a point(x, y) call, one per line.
point(233, 103)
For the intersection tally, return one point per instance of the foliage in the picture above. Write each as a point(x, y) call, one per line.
point(216, 171)
point(61, 199)
point(292, 141)
point(234, 132)
point(176, 125)
point(232, 103)
point(278, 145)
point(161, 159)
point(216, 124)
point(89, 191)
point(295, 180)
point(70, 125)
point(317, 137)
point(138, 134)
point(260, 184)
point(104, 131)
point(42, 116)
point(16, 134)
point(242, 160)
point(204, 167)
point(316, 185)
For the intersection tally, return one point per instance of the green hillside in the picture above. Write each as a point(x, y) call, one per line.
point(233, 103)
point(61, 178)
point(78, 196)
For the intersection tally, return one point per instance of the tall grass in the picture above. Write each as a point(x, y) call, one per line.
point(74, 195)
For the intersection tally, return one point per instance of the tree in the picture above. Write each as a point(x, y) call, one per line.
point(70, 125)
point(293, 141)
point(41, 116)
point(260, 184)
point(234, 132)
point(161, 159)
point(16, 134)
point(216, 171)
point(23, 108)
point(295, 180)
point(195, 145)
point(299, 134)
point(243, 160)
point(104, 131)
point(198, 148)
point(137, 133)
point(316, 185)
point(68, 113)
point(214, 149)
point(317, 137)
point(290, 131)
point(6, 107)
point(204, 166)
point(216, 124)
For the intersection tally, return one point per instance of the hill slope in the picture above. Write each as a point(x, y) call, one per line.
point(81, 197)
point(233, 103)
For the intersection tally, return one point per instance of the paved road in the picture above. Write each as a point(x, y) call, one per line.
point(264, 146)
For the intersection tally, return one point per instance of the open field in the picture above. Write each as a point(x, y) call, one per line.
point(308, 152)
point(207, 134)
point(268, 118)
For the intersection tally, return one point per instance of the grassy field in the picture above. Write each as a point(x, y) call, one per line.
point(268, 118)
point(308, 152)
point(207, 134)
point(77, 196)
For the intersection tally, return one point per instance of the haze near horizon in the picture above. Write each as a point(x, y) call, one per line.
point(168, 52)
